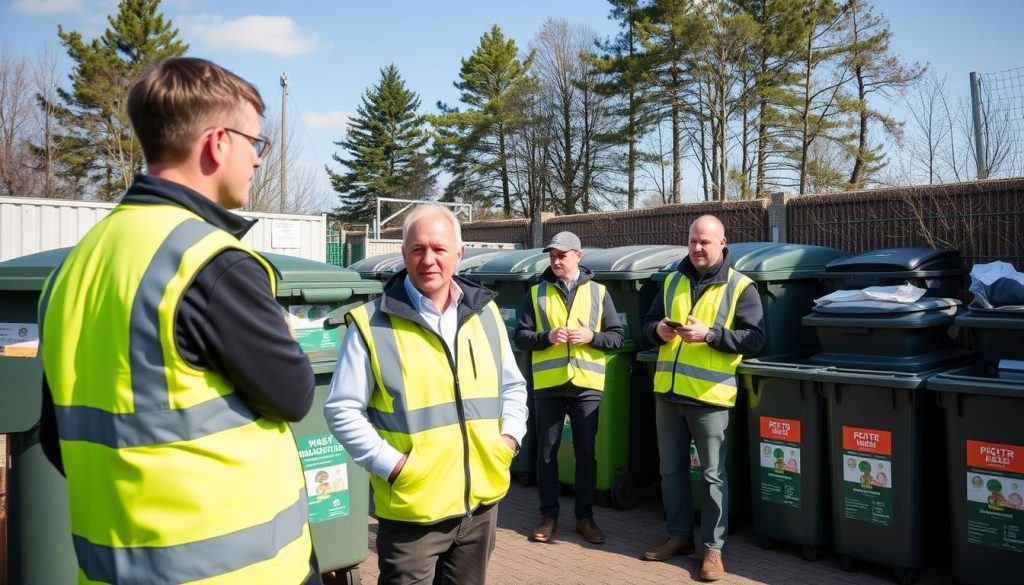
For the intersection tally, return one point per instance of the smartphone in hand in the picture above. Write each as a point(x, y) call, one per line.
point(674, 324)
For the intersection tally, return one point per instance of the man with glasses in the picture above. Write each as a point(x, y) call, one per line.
point(170, 371)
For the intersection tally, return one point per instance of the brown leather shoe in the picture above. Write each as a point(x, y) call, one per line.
point(668, 549)
point(712, 569)
point(545, 528)
point(591, 533)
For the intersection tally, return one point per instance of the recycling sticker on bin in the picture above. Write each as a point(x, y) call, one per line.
point(995, 506)
point(308, 321)
point(780, 461)
point(325, 465)
point(19, 340)
point(867, 475)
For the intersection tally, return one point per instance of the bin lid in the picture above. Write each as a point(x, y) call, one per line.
point(31, 271)
point(514, 265)
point(631, 262)
point(317, 282)
point(919, 260)
point(772, 261)
point(882, 308)
point(991, 319)
point(373, 266)
point(976, 379)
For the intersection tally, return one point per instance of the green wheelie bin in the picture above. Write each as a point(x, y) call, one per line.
point(786, 277)
point(40, 548)
point(983, 408)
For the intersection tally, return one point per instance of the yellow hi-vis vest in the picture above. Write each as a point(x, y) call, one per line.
point(696, 370)
point(583, 365)
point(171, 477)
point(443, 411)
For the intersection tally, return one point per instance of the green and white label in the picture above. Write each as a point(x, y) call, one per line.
point(325, 465)
point(780, 461)
point(867, 475)
point(995, 505)
point(308, 321)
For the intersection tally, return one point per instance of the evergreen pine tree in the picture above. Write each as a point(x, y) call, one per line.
point(97, 143)
point(384, 144)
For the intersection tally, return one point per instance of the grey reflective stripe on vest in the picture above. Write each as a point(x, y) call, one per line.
point(542, 307)
point(437, 416)
point(730, 291)
point(492, 332)
point(194, 560)
point(153, 421)
point(698, 373)
point(411, 421)
point(149, 378)
point(137, 429)
point(563, 362)
point(670, 292)
point(595, 305)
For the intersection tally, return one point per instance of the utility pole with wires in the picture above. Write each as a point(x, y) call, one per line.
point(284, 146)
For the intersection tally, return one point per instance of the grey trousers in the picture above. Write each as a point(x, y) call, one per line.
point(453, 551)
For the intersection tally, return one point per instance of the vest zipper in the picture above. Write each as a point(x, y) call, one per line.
point(693, 305)
point(460, 409)
point(472, 358)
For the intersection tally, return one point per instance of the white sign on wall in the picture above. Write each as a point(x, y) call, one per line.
point(285, 234)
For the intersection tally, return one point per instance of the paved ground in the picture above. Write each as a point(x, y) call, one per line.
point(568, 559)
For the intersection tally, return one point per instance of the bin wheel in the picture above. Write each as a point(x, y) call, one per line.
point(904, 577)
point(624, 493)
point(811, 553)
point(764, 542)
point(525, 478)
point(847, 563)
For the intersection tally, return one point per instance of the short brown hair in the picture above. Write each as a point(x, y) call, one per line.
point(171, 102)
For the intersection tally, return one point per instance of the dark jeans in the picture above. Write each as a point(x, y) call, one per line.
point(451, 551)
point(550, 415)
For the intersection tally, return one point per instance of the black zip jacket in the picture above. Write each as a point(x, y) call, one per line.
point(228, 322)
point(747, 335)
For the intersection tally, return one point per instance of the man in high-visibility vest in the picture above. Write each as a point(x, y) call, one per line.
point(427, 397)
point(170, 371)
point(568, 322)
point(706, 319)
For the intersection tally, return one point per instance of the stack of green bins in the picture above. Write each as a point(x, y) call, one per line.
point(511, 275)
point(41, 550)
point(626, 444)
point(786, 280)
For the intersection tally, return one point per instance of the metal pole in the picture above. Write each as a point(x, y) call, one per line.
point(284, 143)
point(980, 143)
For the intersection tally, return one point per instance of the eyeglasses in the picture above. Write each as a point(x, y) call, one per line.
point(259, 143)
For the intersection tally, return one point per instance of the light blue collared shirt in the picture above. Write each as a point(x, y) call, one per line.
point(353, 385)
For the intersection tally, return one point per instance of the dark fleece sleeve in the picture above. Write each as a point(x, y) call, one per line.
point(230, 322)
point(654, 315)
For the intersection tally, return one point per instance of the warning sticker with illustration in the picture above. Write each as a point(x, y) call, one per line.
point(780, 461)
point(995, 506)
point(867, 475)
point(308, 321)
point(19, 340)
point(510, 319)
point(325, 465)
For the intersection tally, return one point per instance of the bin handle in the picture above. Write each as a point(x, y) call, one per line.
point(335, 318)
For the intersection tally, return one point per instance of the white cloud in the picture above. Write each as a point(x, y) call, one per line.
point(333, 120)
point(46, 6)
point(274, 35)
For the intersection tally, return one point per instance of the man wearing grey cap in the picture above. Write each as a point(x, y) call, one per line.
point(569, 322)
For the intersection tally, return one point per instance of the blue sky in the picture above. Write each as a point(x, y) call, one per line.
point(332, 50)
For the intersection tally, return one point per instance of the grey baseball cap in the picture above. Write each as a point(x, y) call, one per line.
point(564, 241)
